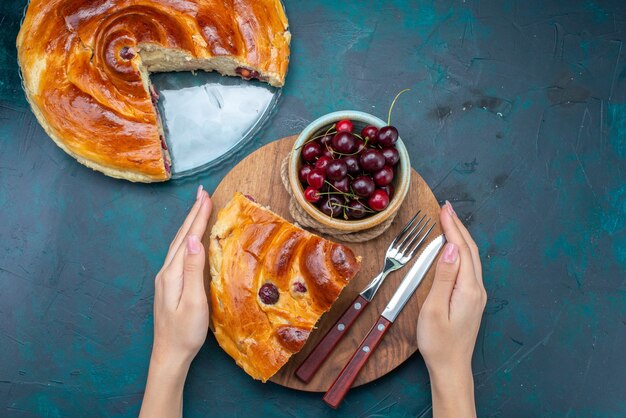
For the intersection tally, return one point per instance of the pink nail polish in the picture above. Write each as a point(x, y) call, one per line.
point(450, 253)
point(199, 192)
point(193, 244)
point(450, 208)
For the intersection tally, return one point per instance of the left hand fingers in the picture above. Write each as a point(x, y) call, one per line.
point(193, 272)
point(182, 231)
point(197, 229)
point(171, 289)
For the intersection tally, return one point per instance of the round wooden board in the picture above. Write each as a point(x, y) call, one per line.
point(258, 175)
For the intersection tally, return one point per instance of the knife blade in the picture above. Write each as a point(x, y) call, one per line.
point(413, 278)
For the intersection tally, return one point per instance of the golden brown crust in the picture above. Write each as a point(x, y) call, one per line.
point(85, 76)
point(251, 246)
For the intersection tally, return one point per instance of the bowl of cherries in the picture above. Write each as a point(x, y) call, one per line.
point(349, 170)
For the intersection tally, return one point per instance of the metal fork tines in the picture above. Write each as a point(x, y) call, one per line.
point(401, 250)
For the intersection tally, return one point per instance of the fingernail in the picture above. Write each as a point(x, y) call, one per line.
point(193, 244)
point(199, 192)
point(450, 253)
point(450, 208)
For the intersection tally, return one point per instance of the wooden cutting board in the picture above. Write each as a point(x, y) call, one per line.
point(259, 176)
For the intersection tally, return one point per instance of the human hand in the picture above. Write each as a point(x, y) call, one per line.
point(181, 314)
point(181, 310)
point(450, 318)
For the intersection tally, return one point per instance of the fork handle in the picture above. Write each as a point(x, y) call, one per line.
point(316, 358)
point(346, 378)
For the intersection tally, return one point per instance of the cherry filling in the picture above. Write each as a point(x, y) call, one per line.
point(268, 293)
point(292, 338)
point(247, 73)
point(299, 287)
point(250, 198)
point(127, 53)
point(154, 95)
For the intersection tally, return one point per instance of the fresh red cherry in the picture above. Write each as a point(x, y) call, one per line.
point(370, 132)
point(325, 141)
point(322, 162)
point(344, 126)
point(316, 178)
point(355, 210)
point(363, 186)
point(304, 172)
point(384, 176)
point(331, 206)
point(372, 160)
point(378, 201)
point(389, 190)
point(352, 163)
point(268, 293)
point(360, 146)
point(336, 169)
point(391, 154)
point(387, 136)
point(344, 143)
point(327, 152)
point(312, 195)
point(342, 185)
point(311, 151)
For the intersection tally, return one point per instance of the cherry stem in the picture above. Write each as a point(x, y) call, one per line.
point(393, 103)
point(367, 209)
point(352, 195)
point(345, 155)
point(313, 138)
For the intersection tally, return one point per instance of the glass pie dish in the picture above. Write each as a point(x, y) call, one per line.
point(208, 118)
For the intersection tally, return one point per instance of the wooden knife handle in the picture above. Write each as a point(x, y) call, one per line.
point(344, 381)
point(316, 358)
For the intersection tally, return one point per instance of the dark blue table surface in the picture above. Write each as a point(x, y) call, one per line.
point(517, 114)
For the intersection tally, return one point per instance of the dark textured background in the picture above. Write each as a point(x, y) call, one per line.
point(517, 115)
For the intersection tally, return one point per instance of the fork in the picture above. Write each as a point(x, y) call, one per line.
point(401, 250)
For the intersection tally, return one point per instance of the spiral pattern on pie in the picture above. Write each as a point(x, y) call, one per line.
point(85, 67)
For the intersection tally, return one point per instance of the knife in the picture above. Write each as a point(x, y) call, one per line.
point(394, 260)
point(409, 284)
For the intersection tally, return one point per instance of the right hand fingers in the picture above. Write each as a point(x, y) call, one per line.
point(445, 279)
point(467, 275)
point(468, 238)
point(475, 283)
